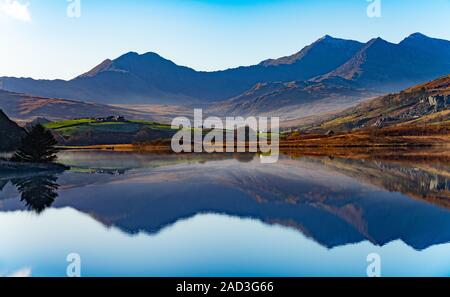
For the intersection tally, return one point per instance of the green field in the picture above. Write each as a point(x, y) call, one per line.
point(90, 132)
point(71, 127)
point(153, 125)
point(67, 123)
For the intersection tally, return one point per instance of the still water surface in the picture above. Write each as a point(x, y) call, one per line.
point(129, 214)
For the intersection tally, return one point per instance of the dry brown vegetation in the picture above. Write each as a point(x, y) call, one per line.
point(393, 136)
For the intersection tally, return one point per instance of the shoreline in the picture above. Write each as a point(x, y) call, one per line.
point(9, 166)
point(284, 145)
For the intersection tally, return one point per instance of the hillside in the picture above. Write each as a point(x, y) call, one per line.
point(418, 116)
point(107, 131)
point(294, 99)
point(27, 108)
point(149, 78)
point(422, 104)
point(10, 133)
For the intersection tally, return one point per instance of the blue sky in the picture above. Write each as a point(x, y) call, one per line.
point(39, 40)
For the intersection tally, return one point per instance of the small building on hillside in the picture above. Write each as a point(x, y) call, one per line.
point(110, 119)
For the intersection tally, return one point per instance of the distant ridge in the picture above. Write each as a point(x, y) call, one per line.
point(29, 108)
point(279, 98)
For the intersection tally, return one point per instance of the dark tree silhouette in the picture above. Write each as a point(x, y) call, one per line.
point(38, 192)
point(38, 146)
point(3, 184)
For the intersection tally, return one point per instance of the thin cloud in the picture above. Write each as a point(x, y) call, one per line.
point(26, 272)
point(16, 10)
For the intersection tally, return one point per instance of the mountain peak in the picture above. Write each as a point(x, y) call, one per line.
point(134, 55)
point(376, 44)
point(151, 54)
point(415, 38)
point(103, 66)
point(327, 37)
point(133, 58)
point(330, 39)
point(425, 43)
point(129, 54)
point(317, 50)
point(417, 35)
point(377, 40)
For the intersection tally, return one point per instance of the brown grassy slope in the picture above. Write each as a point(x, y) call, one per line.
point(403, 119)
point(22, 107)
point(407, 106)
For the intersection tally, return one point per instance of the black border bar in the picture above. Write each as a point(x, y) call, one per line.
point(234, 286)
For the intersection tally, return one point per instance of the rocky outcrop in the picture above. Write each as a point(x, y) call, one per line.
point(10, 133)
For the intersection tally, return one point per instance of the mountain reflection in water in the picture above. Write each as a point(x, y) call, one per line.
point(334, 201)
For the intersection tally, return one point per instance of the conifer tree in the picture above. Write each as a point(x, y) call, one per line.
point(38, 146)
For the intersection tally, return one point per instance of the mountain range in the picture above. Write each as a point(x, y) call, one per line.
point(391, 67)
point(378, 66)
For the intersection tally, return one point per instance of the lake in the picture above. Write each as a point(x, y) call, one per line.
point(131, 214)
